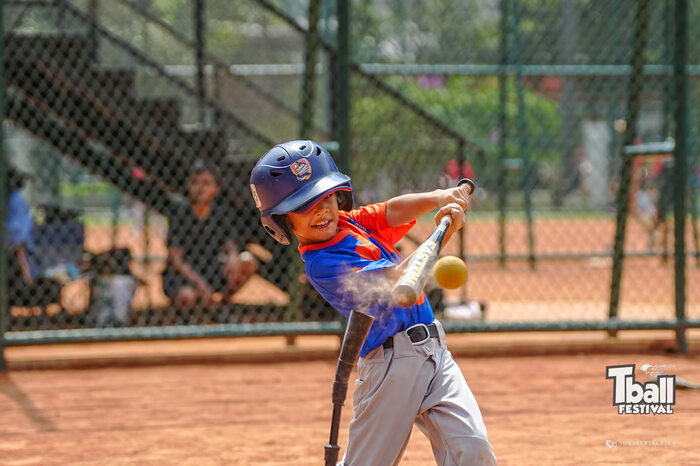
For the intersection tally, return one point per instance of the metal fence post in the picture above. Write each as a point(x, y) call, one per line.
point(4, 309)
point(199, 32)
point(567, 102)
point(93, 11)
point(502, 124)
point(523, 134)
point(308, 88)
point(623, 191)
point(326, 37)
point(342, 87)
point(668, 53)
point(680, 165)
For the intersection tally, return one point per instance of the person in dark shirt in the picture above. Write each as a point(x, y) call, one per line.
point(204, 257)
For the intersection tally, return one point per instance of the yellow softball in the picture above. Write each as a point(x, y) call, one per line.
point(450, 272)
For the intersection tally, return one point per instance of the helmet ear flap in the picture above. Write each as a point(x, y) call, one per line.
point(345, 200)
point(276, 226)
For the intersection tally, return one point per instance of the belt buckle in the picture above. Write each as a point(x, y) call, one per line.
point(425, 329)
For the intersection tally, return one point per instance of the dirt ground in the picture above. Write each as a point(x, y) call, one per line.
point(538, 410)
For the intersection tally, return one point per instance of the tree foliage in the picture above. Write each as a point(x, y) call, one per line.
point(469, 105)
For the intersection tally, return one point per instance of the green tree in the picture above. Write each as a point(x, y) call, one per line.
point(470, 106)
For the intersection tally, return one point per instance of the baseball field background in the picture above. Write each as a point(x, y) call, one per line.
point(578, 119)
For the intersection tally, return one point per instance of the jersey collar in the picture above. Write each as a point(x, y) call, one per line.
point(316, 246)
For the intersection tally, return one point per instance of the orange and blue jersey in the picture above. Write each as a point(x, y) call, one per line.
point(347, 271)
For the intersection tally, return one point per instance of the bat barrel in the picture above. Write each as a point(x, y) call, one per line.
point(417, 273)
point(420, 265)
point(404, 295)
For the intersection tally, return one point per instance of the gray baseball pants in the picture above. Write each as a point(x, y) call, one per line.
point(415, 384)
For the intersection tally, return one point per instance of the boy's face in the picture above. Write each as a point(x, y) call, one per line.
point(202, 187)
point(318, 224)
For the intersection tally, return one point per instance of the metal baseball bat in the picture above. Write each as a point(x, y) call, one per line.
point(355, 334)
point(412, 281)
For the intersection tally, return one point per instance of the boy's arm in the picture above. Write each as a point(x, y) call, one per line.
point(408, 207)
point(458, 221)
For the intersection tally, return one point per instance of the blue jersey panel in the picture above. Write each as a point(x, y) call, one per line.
point(348, 271)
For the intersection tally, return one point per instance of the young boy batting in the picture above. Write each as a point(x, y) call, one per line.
point(406, 375)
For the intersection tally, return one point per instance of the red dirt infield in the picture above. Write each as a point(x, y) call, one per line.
point(539, 410)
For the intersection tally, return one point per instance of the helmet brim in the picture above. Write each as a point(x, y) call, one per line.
point(305, 198)
point(309, 205)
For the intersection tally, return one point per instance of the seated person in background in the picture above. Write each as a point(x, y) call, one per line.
point(204, 257)
point(19, 242)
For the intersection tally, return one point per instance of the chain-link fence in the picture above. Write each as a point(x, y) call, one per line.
point(115, 147)
point(132, 126)
point(544, 88)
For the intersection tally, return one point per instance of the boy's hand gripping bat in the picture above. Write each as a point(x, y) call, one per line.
point(412, 281)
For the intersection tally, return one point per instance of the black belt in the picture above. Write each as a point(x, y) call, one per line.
point(419, 333)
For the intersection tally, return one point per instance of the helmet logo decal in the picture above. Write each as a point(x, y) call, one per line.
point(301, 169)
point(258, 204)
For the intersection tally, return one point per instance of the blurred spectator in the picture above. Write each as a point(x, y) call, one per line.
point(641, 201)
point(451, 173)
point(204, 258)
point(112, 287)
point(645, 210)
point(664, 206)
point(652, 196)
point(582, 168)
point(430, 81)
point(19, 241)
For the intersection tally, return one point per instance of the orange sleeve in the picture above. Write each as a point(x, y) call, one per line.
point(373, 217)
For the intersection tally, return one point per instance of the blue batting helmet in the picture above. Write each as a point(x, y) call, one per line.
point(293, 177)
